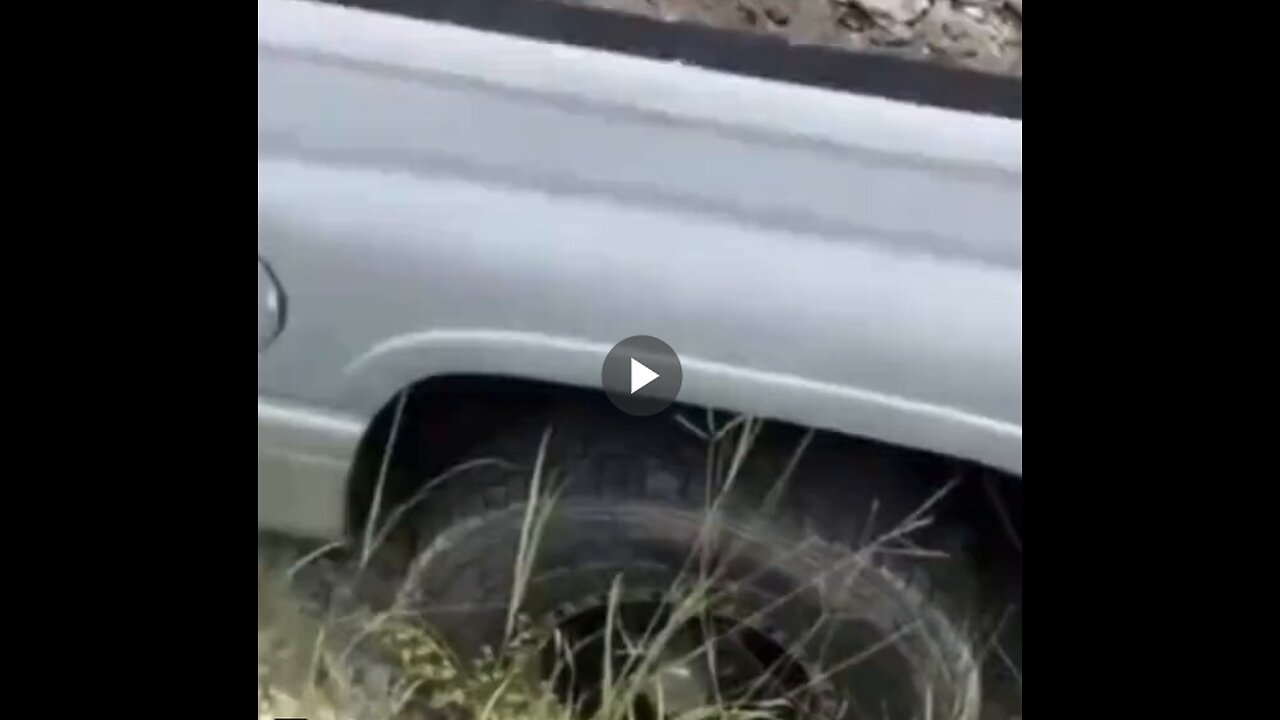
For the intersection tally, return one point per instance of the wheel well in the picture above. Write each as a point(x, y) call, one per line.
point(442, 419)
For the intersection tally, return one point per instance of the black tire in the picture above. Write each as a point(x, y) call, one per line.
point(634, 505)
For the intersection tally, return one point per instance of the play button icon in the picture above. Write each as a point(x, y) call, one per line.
point(642, 376)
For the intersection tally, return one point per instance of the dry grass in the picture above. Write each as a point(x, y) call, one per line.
point(357, 665)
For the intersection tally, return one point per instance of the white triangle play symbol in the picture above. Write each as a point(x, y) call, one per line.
point(641, 376)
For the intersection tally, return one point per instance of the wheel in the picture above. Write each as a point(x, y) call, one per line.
point(781, 602)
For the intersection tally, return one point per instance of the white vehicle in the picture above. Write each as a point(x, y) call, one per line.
point(463, 207)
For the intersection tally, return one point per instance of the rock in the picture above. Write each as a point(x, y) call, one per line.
point(815, 23)
point(983, 35)
point(991, 44)
point(896, 11)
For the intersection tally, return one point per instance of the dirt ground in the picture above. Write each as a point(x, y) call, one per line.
point(983, 35)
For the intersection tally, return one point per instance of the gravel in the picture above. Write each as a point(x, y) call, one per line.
point(982, 35)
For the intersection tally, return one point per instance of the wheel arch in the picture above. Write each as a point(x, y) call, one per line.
point(374, 379)
point(445, 413)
